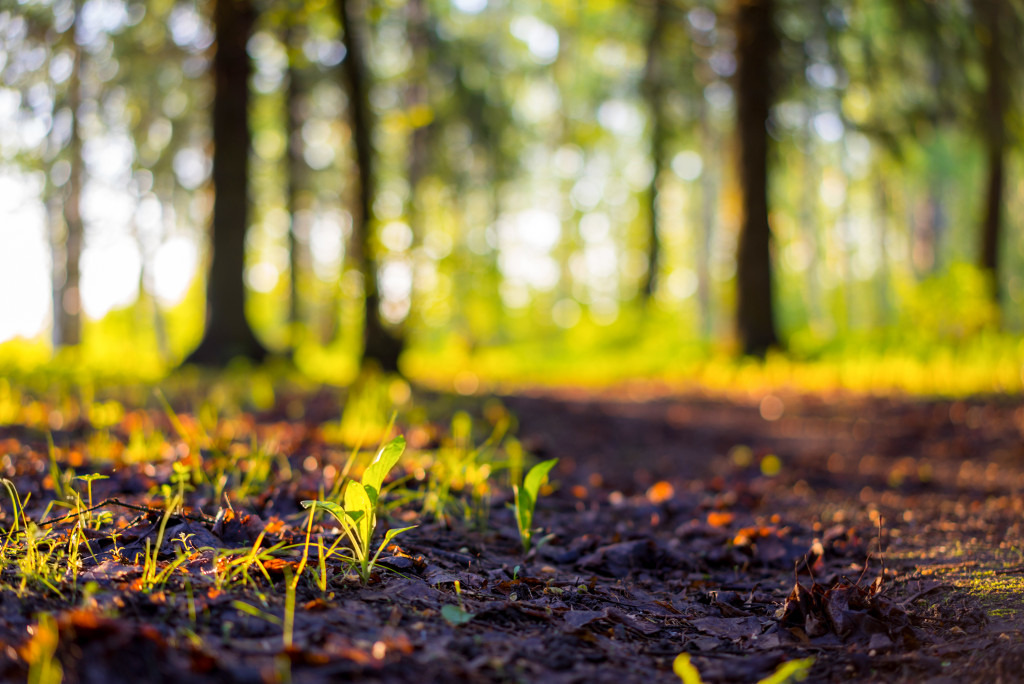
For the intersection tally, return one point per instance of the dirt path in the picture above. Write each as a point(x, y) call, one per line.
point(937, 484)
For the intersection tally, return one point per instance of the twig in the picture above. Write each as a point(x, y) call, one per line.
point(132, 507)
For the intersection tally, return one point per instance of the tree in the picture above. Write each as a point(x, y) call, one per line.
point(296, 170)
point(227, 333)
point(654, 94)
point(998, 28)
point(67, 298)
point(756, 49)
point(380, 345)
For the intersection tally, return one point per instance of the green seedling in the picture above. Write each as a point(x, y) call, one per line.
point(457, 615)
point(18, 513)
point(357, 514)
point(89, 479)
point(39, 562)
point(459, 468)
point(55, 474)
point(37, 557)
point(526, 500)
point(152, 574)
point(233, 565)
point(791, 671)
point(323, 553)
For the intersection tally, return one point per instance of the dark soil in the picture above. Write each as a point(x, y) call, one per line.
point(881, 537)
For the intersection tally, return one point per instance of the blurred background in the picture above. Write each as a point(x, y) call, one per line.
point(557, 190)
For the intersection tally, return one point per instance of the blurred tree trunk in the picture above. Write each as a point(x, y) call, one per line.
point(227, 333)
point(883, 210)
point(379, 344)
point(994, 126)
point(810, 218)
point(421, 117)
point(710, 146)
point(756, 50)
point(67, 299)
point(297, 254)
point(654, 93)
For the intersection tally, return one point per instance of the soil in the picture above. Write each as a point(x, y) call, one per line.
point(879, 536)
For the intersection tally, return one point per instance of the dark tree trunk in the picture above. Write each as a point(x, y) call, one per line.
point(756, 53)
point(883, 208)
point(380, 346)
point(710, 146)
point(810, 218)
point(417, 95)
point(296, 176)
point(654, 93)
point(228, 334)
point(991, 12)
point(67, 298)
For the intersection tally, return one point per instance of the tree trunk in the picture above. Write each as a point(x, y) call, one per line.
point(67, 299)
point(991, 12)
point(883, 209)
point(379, 344)
point(296, 173)
point(756, 51)
point(654, 93)
point(811, 219)
point(710, 146)
point(417, 98)
point(228, 334)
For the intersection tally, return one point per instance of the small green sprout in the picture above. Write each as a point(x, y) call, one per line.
point(455, 616)
point(89, 479)
point(526, 500)
point(357, 514)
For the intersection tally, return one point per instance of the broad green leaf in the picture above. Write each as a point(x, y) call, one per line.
point(455, 615)
point(334, 509)
point(524, 508)
point(391, 534)
point(386, 459)
point(792, 671)
point(535, 478)
point(685, 670)
point(356, 500)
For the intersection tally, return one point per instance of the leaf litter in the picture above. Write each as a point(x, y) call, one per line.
point(682, 525)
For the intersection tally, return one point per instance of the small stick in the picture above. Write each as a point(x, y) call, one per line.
point(132, 507)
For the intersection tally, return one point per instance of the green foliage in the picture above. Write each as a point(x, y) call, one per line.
point(954, 306)
point(357, 514)
point(369, 409)
point(526, 500)
point(458, 475)
point(153, 574)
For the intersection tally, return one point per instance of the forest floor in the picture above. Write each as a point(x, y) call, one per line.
point(880, 537)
